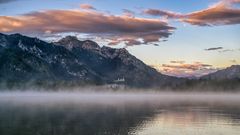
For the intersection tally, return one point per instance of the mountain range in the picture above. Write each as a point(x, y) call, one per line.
point(27, 61)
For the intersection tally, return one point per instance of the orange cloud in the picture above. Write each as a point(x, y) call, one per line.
point(123, 28)
point(182, 69)
point(5, 22)
point(194, 66)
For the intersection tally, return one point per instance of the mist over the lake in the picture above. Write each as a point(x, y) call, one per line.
point(114, 98)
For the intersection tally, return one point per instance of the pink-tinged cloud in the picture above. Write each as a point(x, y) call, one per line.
point(87, 7)
point(163, 13)
point(221, 13)
point(194, 66)
point(182, 69)
point(120, 29)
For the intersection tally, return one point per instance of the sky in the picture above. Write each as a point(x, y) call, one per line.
point(182, 38)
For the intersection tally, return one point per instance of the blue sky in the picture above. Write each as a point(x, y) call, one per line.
point(186, 43)
point(24, 6)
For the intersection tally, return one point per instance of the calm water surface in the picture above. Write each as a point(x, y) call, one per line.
point(35, 114)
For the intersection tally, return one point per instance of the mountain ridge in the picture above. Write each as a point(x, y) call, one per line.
point(71, 62)
point(24, 59)
point(232, 72)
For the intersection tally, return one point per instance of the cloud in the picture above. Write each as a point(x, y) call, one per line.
point(157, 12)
point(177, 61)
point(226, 50)
point(128, 13)
point(213, 49)
point(129, 41)
point(194, 66)
point(87, 7)
point(183, 69)
point(221, 13)
point(114, 28)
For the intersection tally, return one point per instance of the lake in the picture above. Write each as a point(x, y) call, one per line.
point(76, 113)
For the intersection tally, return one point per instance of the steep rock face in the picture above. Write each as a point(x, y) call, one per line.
point(25, 59)
point(113, 64)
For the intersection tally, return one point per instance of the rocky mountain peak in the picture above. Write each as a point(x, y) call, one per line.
point(71, 42)
point(16, 35)
point(88, 44)
point(72, 60)
point(70, 38)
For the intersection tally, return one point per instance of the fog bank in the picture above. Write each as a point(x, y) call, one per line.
point(118, 98)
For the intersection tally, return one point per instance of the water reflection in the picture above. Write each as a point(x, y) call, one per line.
point(192, 120)
point(144, 118)
point(70, 120)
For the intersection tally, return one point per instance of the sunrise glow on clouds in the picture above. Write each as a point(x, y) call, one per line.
point(200, 36)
